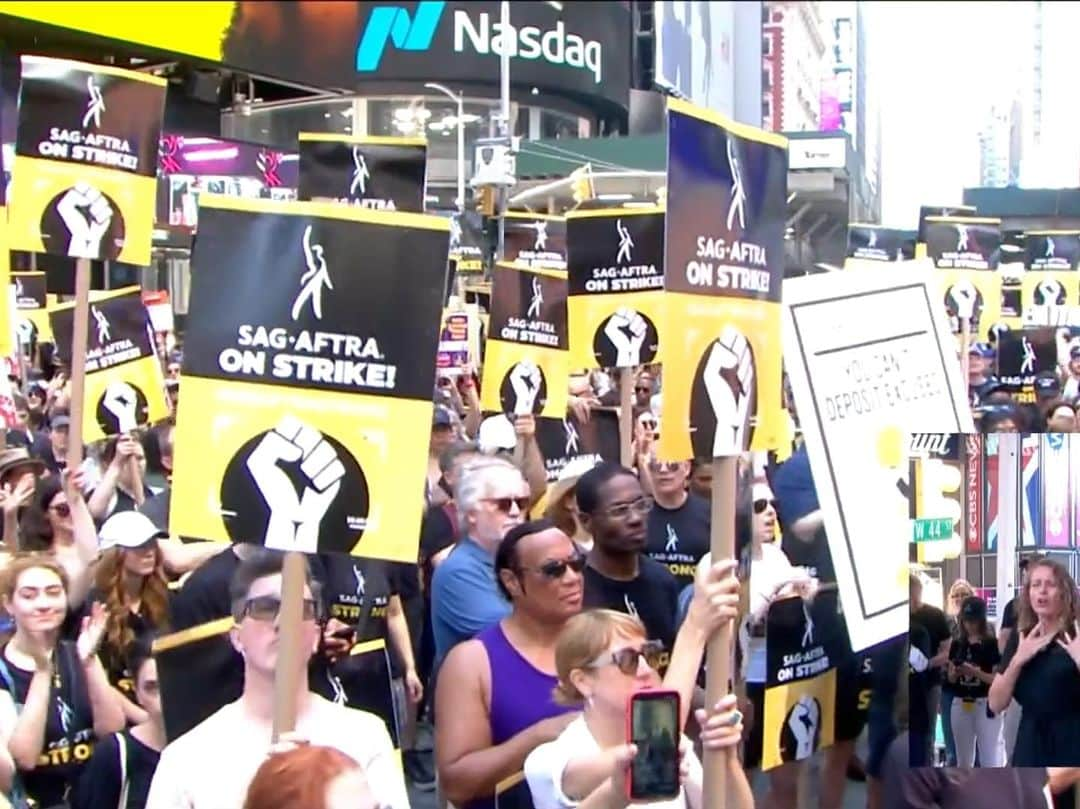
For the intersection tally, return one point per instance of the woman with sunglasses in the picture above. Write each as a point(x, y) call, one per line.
point(58, 522)
point(132, 585)
point(603, 658)
point(55, 698)
point(772, 577)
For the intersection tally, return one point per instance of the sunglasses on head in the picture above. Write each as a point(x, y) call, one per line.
point(762, 504)
point(61, 509)
point(627, 660)
point(266, 608)
point(504, 504)
point(556, 568)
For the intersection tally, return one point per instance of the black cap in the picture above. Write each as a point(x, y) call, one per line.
point(973, 608)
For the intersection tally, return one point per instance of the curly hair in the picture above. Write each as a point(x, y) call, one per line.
point(153, 606)
point(1026, 617)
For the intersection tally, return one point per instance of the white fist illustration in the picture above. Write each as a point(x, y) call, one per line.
point(87, 215)
point(26, 331)
point(121, 400)
point(729, 380)
point(1049, 291)
point(803, 723)
point(525, 380)
point(964, 297)
point(295, 519)
point(626, 329)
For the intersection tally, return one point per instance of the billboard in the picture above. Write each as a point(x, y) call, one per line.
point(694, 52)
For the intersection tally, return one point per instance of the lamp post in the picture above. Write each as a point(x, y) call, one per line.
point(458, 99)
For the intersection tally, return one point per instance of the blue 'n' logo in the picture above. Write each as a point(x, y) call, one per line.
point(393, 24)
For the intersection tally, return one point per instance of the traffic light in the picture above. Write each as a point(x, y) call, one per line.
point(581, 184)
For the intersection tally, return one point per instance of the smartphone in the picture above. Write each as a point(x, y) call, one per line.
point(652, 723)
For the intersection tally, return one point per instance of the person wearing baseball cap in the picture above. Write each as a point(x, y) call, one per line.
point(130, 581)
point(55, 455)
point(980, 380)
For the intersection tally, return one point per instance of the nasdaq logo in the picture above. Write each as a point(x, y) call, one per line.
point(393, 24)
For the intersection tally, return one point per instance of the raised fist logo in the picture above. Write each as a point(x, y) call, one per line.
point(122, 402)
point(962, 300)
point(803, 722)
point(295, 517)
point(1049, 293)
point(86, 214)
point(626, 329)
point(525, 379)
point(728, 376)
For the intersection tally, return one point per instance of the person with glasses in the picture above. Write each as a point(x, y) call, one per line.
point(213, 764)
point(492, 497)
point(57, 522)
point(619, 576)
point(679, 526)
point(772, 577)
point(494, 693)
point(603, 658)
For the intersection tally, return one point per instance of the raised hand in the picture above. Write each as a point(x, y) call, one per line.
point(91, 632)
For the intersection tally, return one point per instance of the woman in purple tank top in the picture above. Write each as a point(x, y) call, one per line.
point(494, 696)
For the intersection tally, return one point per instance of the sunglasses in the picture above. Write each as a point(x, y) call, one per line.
point(642, 390)
point(641, 507)
point(555, 569)
point(266, 608)
point(504, 504)
point(628, 660)
point(61, 509)
point(761, 505)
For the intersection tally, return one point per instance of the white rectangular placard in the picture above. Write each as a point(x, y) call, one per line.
point(871, 360)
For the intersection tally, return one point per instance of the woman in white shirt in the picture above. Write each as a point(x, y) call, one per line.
point(772, 576)
point(603, 658)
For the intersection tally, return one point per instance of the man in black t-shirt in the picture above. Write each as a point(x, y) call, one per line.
point(619, 576)
point(679, 523)
point(933, 621)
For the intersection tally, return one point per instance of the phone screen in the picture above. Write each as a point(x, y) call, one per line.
point(654, 728)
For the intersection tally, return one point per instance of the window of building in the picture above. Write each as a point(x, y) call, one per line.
point(767, 45)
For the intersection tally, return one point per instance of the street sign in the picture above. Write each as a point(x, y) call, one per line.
point(932, 529)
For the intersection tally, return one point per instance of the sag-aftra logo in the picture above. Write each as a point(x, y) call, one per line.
point(416, 32)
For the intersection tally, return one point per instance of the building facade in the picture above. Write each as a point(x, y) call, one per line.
point(793, 60)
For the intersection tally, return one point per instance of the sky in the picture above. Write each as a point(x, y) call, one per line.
point(936, 69)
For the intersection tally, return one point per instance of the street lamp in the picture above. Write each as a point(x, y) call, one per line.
point(458, 99)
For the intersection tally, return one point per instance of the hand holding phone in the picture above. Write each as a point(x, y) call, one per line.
point(652, 726)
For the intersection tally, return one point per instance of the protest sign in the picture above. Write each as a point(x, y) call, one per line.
point(468, 245)
point(616, 275)
point(563, 441)
point(802, 643)
point(525, 358)
point(723, 267)
point(873, 243)
point(302, 387)
point(1051, 249)
point(534, 240)
point(453, 344)
point(869, 357)
point(31, 305)
point(926, 211)
point(1022, 354)
point(963, 242)
point(85, 175)
point(124, 384)
point(373, 172)
point(1045, 294)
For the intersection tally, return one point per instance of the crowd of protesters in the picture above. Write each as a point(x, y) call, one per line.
point(1056, 404)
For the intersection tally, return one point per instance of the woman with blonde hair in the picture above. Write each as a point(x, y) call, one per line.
point(603, 658)
point(1040, 669)
point(959, 591)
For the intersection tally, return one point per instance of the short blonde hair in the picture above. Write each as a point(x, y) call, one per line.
point(29, 560)
point(584, 639)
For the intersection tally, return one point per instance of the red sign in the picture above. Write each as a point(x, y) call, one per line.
point(973, 503)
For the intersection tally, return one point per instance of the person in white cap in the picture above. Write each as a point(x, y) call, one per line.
point(515, 436)
point(131, 582)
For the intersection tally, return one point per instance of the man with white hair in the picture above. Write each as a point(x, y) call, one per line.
point(492, 497)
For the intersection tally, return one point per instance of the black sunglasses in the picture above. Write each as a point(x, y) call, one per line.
point(761, 505)
point(642, 390)
point(556, 568)
point(627, 660)
point(504, 504)
point(61, 509)
point(266, 608)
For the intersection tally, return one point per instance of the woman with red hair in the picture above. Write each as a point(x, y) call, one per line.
point(308, 777)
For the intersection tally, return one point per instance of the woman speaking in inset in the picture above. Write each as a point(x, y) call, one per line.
point(1041, 669)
